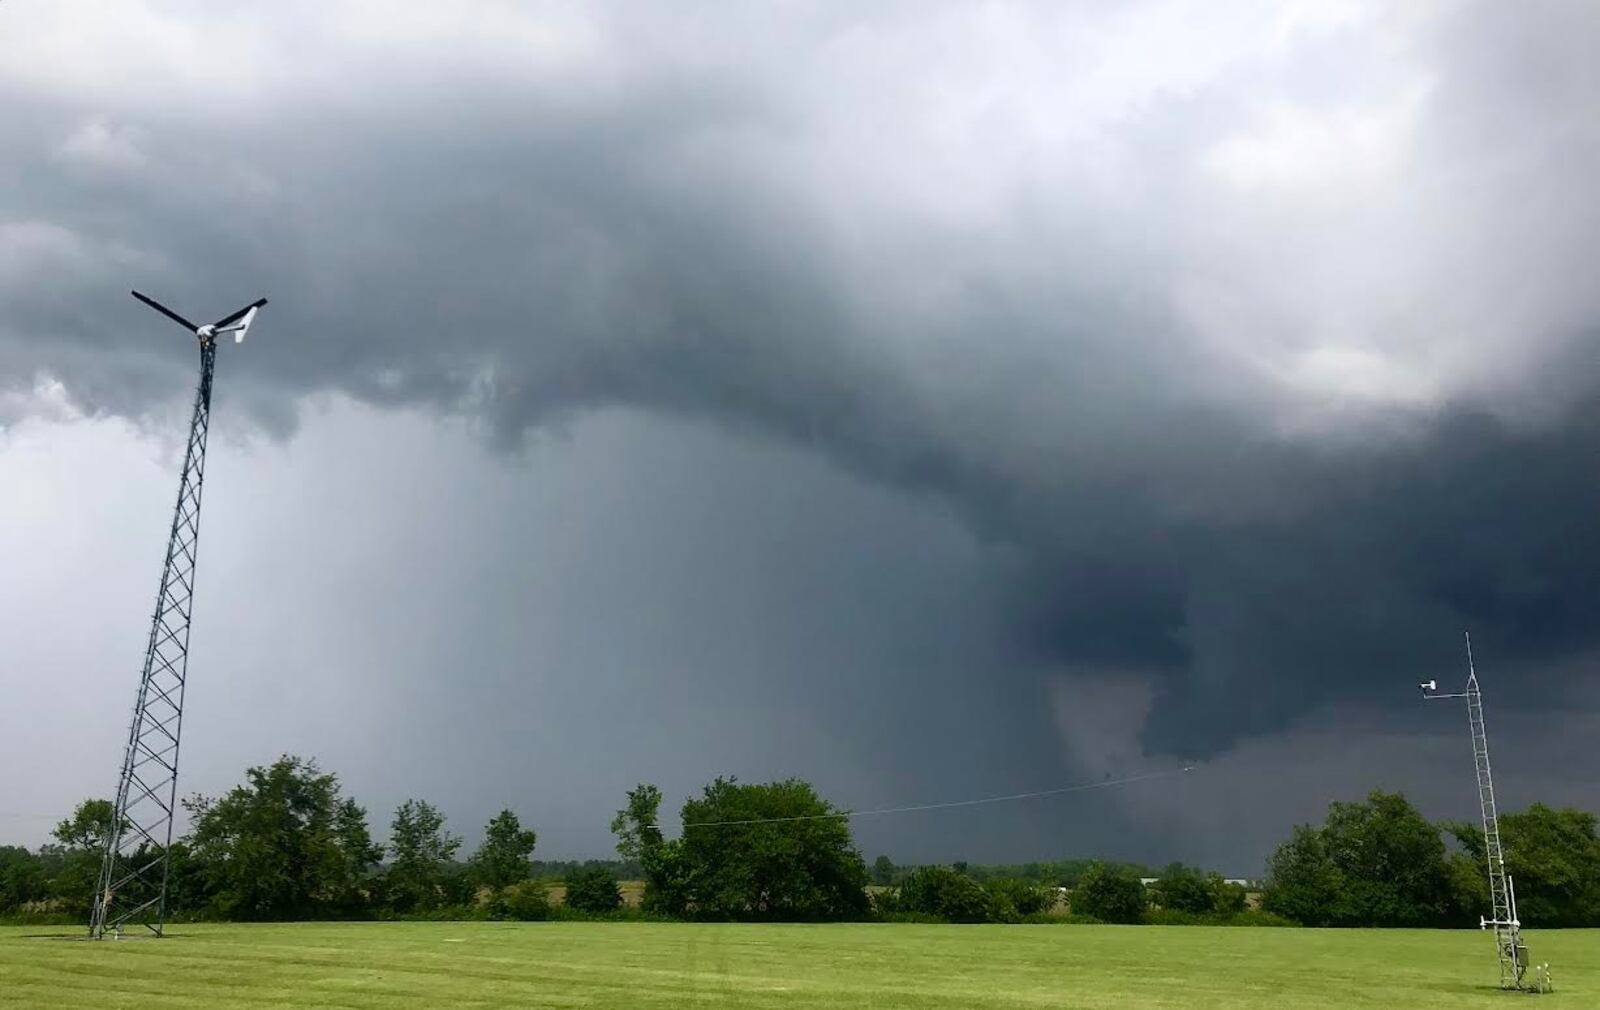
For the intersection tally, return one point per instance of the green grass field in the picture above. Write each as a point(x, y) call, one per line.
point(372, 965)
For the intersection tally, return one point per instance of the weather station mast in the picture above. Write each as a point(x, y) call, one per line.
point(132, 889)
point(1509, 948)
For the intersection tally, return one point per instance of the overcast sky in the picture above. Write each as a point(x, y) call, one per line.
point(929, 400)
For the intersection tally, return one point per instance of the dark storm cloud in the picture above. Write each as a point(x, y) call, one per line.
point(1261, 379)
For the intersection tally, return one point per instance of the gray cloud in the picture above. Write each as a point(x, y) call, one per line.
point(1251, 359)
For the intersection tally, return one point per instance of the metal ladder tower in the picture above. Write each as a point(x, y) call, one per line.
point(1503, 920)
point(132, 888)
point(1509, 948)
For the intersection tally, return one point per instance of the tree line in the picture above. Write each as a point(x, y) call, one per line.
point(1381, 863)
point(288, 844)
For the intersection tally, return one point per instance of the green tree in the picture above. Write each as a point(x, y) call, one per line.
point(1303, 883)
point(638, 824)
point(22, 878)
point(188, 890)
point(503, 858)
point(89, 827)
point(1226, 898)
point(1184, 889)
point(82, 838)
point(943, 891)
point(359, 856)
point(1469, 884)
point(1554, 856)
point(1014, 898)
point(639, 840)
point(883, 870)
point(791, 858)
point(1393, 861)
point(1373, 863)
point(593, 889)
point(421, 851)
point(771, 851)
point(526, 901)
point(1110, 893)
point(283, 845)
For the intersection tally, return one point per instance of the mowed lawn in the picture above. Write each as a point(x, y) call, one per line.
point(380, 965)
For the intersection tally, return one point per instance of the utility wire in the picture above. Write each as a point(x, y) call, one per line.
point(1009, 798)
point(846, 814)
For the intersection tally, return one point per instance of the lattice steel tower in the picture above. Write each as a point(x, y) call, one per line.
point(1509, 948)
point(133, 874)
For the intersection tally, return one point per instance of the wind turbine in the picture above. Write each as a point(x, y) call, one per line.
point(133, 872)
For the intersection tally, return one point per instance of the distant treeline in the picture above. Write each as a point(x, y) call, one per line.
point(1058, 873)
point(287, 844)
point(556, 870)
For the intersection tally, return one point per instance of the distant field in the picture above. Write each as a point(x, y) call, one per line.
point(468, 965)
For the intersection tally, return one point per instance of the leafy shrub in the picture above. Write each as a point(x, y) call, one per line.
point(23, 917)
point(1110, 894)
point(942, 891)
point(438, 913)
point(525, 902)
point(593, 889)
point(1256, 917)
point(1177, 917)
point(1070, 919)
point(1229, 899)
point(1018, 899)
point(1184, 889)
point(915, 918)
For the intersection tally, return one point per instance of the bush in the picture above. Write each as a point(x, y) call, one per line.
point(941, 891)
point(1184, 889)
point(24, 917)
point(566, 913)
point(884, 902)
point(1177, 917)
point(1229, 899)
point(1017, 899)
point(1256, 917)
point(526, 902)
point(440, 913)
point(1110, 894)
point(1070, 919)
point(593, 889)
point(912, 918)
